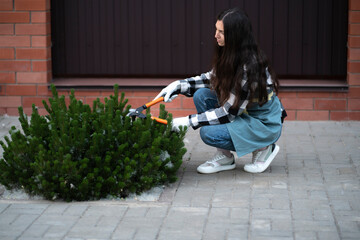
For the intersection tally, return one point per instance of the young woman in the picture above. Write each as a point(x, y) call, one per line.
point(237, 106)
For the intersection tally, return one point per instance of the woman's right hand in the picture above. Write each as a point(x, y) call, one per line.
point(170, 92)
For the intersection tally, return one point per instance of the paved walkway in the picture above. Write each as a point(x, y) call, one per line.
point(311, 191)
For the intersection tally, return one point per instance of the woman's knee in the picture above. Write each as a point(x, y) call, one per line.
point(204, 99)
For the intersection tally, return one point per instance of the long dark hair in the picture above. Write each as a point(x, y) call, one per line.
point(240, 50)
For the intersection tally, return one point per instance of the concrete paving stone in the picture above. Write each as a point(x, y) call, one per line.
point(261, 203)
point(23, 208)
point(146, 234)
point(306, 235)
point(136, 211)
point(56, 208)
point(240, 213)
point(75, 210)
point(314, 226)
point(3, 206)
point(260, 225)
point(341, 205)
point(281, 225)
point(323, 215)
point(350, 235)
point(349, 226)
point(57, 220)
point(124, 233)
point(157, 212)
point(16, 227)
point(328, 235)
point(109, 210)
point(271, 214)
point(57, 232)
point(302, 214)
point(310, 204)
point(35, 230)
point(282, 235)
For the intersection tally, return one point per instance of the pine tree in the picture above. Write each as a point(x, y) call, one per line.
point(76, 152)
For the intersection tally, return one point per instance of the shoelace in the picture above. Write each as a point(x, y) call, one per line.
point(216, 158)
point(256, 156)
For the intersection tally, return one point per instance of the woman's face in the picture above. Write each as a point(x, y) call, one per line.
point(219, 33)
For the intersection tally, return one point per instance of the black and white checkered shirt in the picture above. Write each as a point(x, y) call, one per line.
point(222, 114)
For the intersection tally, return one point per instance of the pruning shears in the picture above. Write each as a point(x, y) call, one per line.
point(138, 111)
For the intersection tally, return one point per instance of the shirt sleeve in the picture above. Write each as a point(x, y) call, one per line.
point(189, 86)
point(224, 114)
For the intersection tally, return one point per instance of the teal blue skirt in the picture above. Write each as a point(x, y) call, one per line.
point(257, 128)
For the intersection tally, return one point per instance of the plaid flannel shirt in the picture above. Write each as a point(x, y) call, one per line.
point(222, 114)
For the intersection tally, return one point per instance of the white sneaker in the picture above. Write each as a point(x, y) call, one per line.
point(218, 163)
point(262, 159)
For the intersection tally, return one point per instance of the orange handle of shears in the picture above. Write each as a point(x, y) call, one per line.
point(163, 121)
point(160, 99)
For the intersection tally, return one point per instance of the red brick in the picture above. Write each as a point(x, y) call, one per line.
point(32, 77)
point(150, 94)
point(313, 94)
point(43, 90)
point(291, 115)
point(354, 104)
point(330, 104)
point(16, 66)
point(3, 111)
point(40, 17)
point(297, 103)
point(40, 41)
point(32, 29)
point(14, 111)
point(354, 54)
point(354, 29)
point(7, 53)
point(354, 41)
point(312, 115)
point(32, 53)
point(7, 77)
point(14, 41)
point(20, 90)
point(6, 5)
point(87, 93)
point(2, 90)
point(10, 101)
point(89, 100)
point(339, 95)
point(29, 101)
point(287, 95)
point(14, 17)
point(344, 116)
point(32, 5)
point(188, 103)
point(354, 17)
point(181, 113)
point(354, 5)
point(354, 67)
point(354, 79)
point(175, 103)
point(41, 66)
point(354, 92)
point(137, 101)
point(6, 29)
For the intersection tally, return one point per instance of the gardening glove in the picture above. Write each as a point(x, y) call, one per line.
point(170, 92)
point(181, 121)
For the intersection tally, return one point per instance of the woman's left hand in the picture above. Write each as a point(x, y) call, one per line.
point(181, 121)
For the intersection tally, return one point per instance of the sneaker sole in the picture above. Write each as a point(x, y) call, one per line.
point(218, 169)
point(267, 163)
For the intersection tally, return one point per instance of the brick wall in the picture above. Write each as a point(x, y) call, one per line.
point(25, 53)
point(25, 69)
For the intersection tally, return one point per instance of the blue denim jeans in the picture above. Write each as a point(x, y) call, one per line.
point(213, 135)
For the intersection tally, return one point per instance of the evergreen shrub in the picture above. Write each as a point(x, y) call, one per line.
point(76, 152)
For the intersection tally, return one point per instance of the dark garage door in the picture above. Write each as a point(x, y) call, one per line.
point(168, 38)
